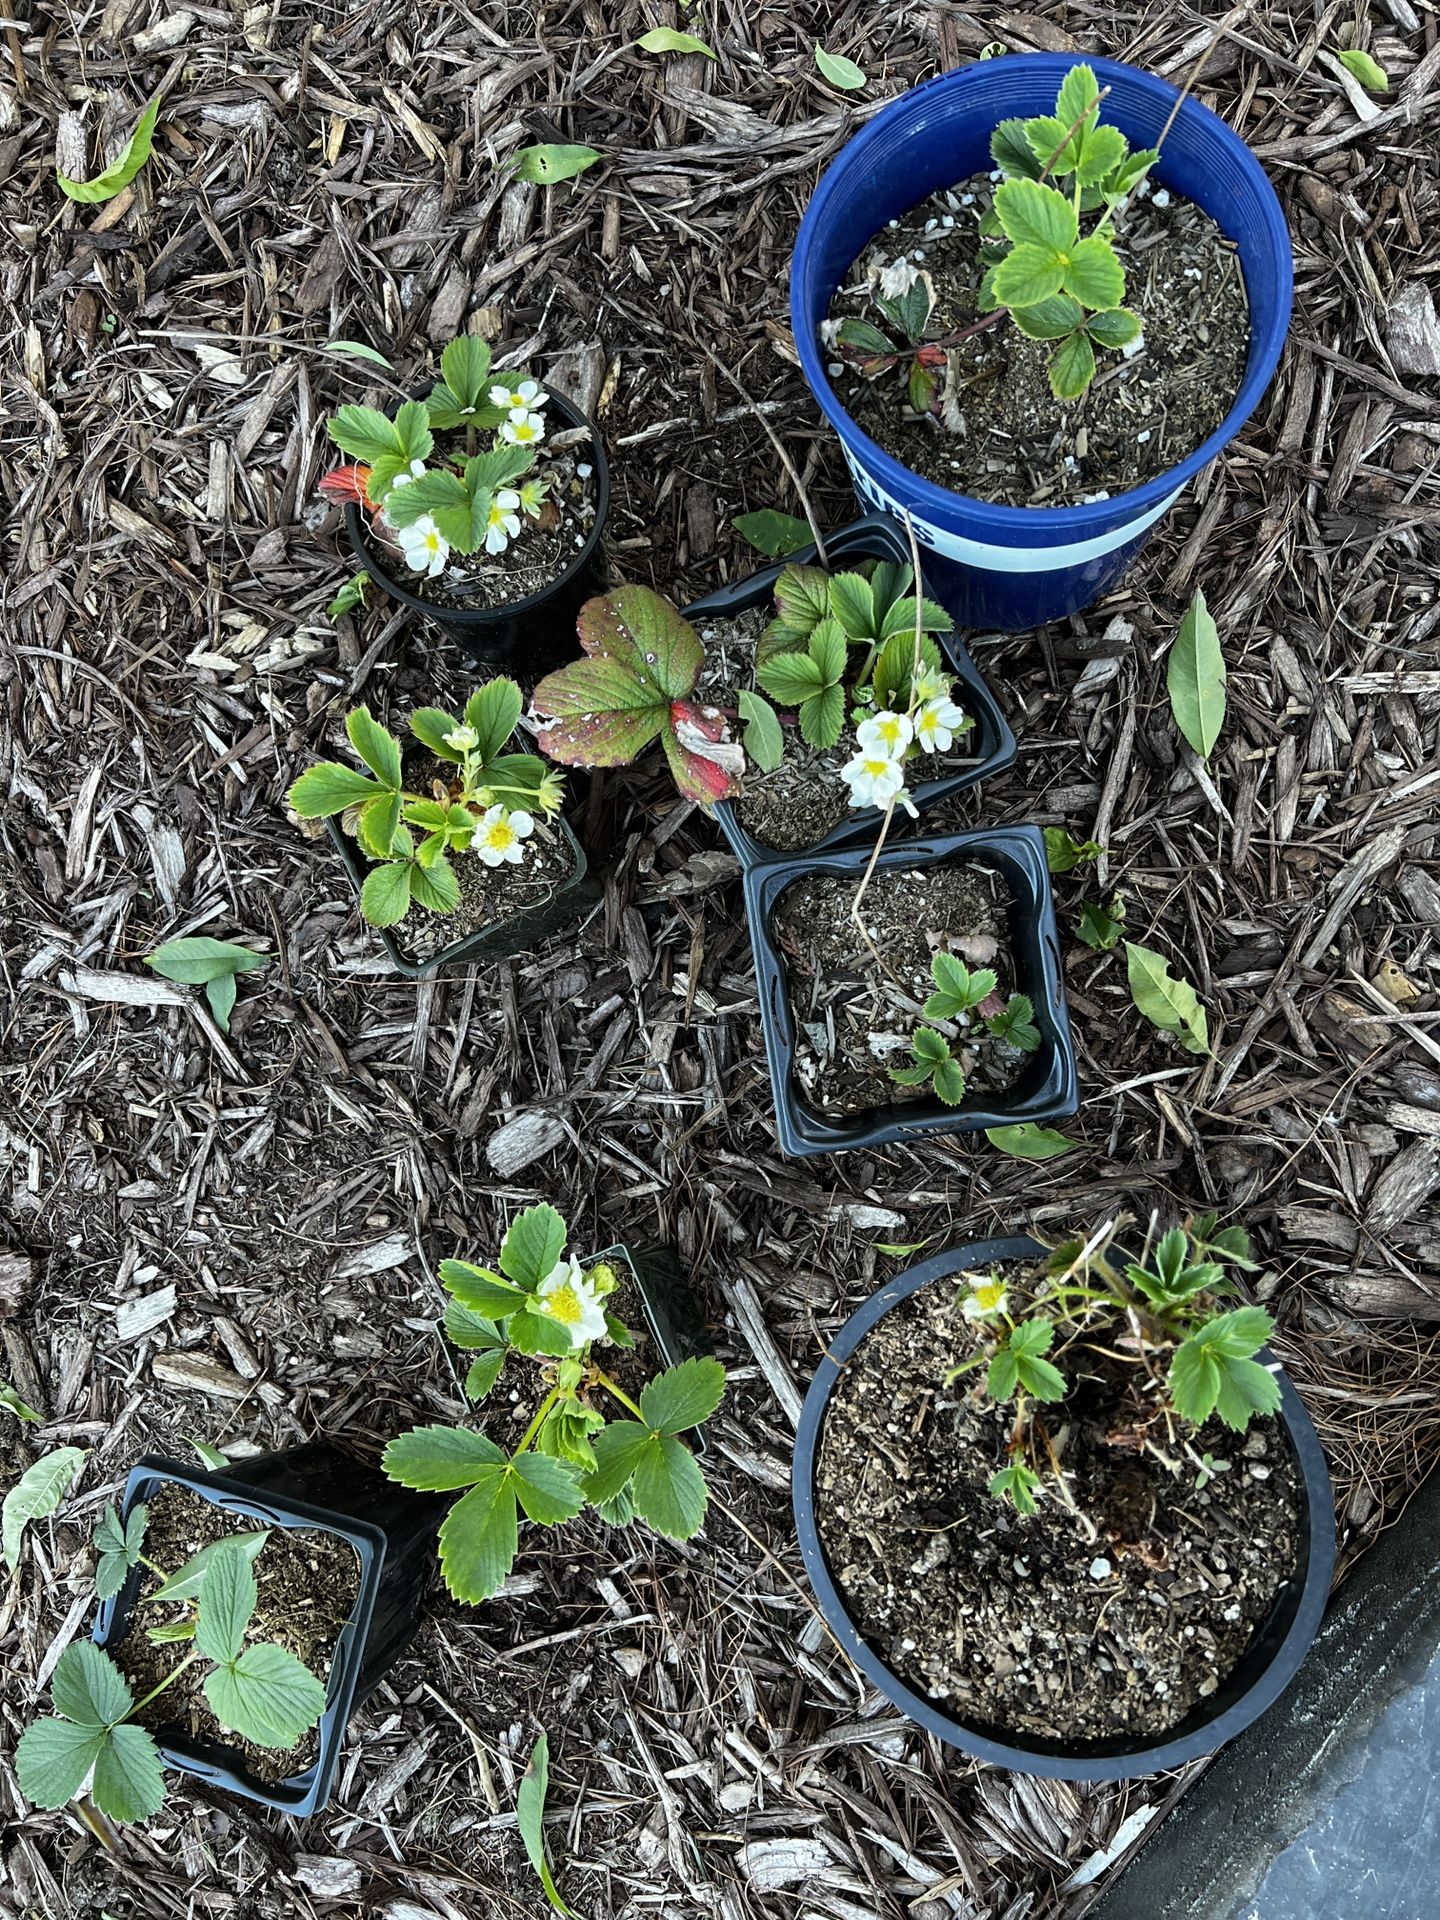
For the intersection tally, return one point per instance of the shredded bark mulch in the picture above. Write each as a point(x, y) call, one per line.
point(237, 1233)
point(1020, 446)
point(1085, 1626)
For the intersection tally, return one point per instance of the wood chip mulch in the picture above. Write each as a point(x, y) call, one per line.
point(235, 1237)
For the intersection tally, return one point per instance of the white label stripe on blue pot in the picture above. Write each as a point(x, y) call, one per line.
point(1006, 559)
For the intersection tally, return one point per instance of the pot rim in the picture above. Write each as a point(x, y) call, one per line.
point(1058, 1759)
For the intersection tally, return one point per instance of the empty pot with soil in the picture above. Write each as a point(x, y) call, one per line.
point(340, 1560)
point(801, 804)
point(482, 503)
point(941, 1009)
point(1065, 1511)
point(1049, 330)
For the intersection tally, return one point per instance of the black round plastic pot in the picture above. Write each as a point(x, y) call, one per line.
point(528, 637)
point(518, 933)
point(877, 537)
point(1269, 1664)
point(316, 1487)
point(1048, 1087)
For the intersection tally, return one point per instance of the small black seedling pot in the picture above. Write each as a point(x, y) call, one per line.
point(991, 742)
point(1047, 1089)
point(530, 636)
point(1270, 1662)
point(519, 933)
point(317, 1487)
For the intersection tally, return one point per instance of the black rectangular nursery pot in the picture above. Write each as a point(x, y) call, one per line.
point(877, 537)
point(1048, 1088)
point(502, 939)
point(316, 1487)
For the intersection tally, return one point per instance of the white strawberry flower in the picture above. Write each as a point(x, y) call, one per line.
point(461, 738)
point(885, 732)
point(502, 523)
point(874, 779)
point(984, 1300)
point(570, 1296)
point(414, 472)
point(424, 546)
point(931, 684)
point(500, 834)
point(523, 428)
point(937, 723)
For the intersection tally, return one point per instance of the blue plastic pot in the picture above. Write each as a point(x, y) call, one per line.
point(1016, 567)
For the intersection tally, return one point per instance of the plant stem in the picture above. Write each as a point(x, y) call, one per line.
point(890, 805)
point(604, 1380)
point(169, 1680)
point(535, 1425)
point(785, 460)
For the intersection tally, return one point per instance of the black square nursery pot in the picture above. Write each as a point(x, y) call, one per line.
point(1270, 1661)
point(529, 637)
point(877, 537)
point(503, 939)
point(1048, 1087)
point(314, 1487)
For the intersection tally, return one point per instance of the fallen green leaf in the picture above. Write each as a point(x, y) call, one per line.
point(1063, 853)
point(530, 1818)
point(358, 350)
point(1196, 678)
point(839, 71)
point(122, 170)
point(772, 532)
point(546, 166)
point(1166, 1002)
point(1366, 70)
point(1029, 1142)
point(36, 1494)
point(198, 960)
point(10, 1398)
point(672, 40)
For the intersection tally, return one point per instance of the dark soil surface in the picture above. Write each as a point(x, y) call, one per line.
point(541, 551)
point(804, 798)
point(308, 1582)
point(1017, 445)
point(1041, 1624)
point(854, 1016)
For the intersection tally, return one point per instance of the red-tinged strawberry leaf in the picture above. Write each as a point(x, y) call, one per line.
point(645, 633)
point(642, 660)
point(346, 483)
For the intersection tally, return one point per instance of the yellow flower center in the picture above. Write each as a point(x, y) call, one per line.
point(501, 836)
point(990, 1295)
point(564, 1305)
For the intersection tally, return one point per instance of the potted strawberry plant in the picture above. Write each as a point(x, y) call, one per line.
point(547, 1321)
point(803, 800)
point(456, 824)
point(800, 706)
point(1027, 222)
point(1061, 1506)
point(245, 1613)
point(481, 504)
point(911, 989)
